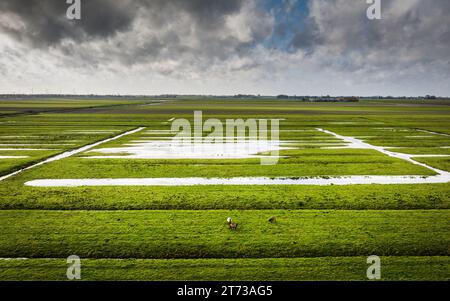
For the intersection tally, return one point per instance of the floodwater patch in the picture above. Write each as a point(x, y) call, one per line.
point(172, 149)
point(320, 181)
point(420, 136)
point(440, 177)
point(434, 133)
point(70, 153)
point(356, 143)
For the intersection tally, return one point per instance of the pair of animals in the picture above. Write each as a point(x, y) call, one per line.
point(233, 226)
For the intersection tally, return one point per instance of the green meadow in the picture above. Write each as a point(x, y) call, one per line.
point(180, 232)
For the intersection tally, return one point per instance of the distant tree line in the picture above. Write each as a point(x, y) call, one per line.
point(239, 96)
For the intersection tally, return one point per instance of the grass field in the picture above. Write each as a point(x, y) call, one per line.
point(180, 232)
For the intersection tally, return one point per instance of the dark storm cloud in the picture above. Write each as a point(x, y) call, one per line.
point(43, 22)
point(216, 39)
point(209, 13)
point(410, 32)
point(308, 38)
point(194, 34)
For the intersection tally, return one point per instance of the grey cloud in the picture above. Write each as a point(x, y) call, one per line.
point(210, 13)
point(308, 38)
point(205, 39)
point(136, 32)
point(45, 23)
point(411, 32)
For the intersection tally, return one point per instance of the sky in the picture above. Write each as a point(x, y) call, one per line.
point(226, 47)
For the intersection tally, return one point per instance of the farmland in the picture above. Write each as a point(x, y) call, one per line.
point(157, 232)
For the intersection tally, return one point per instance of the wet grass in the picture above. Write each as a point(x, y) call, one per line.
point(442, 163)
point(76, 168)
point(204, 234)
point(321, 233)
point(353, 197)
point(250, 269)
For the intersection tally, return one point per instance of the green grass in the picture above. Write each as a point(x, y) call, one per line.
point(76, 168)
point(27, 106)
point(354, 197)
point(264, 269)
point(45, 140)
point(10, 165)
point(204, 234)
point(423, 150)
point(133, 233)
point(442, 163)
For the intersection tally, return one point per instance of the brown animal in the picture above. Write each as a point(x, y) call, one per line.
point(273, 219)
point(232, 226)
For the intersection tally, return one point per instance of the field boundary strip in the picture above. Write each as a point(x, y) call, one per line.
point(71, 153)
point(242, 181)
point(441, 177)
point(407, 157)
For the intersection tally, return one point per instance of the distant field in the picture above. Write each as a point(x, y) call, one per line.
point(49, 104)
point(180, 233)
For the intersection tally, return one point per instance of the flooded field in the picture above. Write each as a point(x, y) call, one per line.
point(347, 180)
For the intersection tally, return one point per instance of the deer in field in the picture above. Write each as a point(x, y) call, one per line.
point(231, 225)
